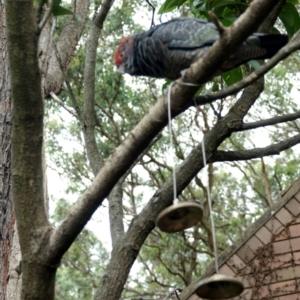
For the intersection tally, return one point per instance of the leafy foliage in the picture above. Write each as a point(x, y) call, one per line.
point(239, 189)
point(227, 12)
point(82, 266)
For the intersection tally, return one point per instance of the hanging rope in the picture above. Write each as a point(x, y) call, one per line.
point(175, 200)
point(210, 209)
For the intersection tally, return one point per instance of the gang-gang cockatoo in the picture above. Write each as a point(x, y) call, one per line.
point(169, 48)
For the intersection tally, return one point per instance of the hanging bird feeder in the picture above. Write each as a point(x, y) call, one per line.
point(179, 216)
point(219, 286)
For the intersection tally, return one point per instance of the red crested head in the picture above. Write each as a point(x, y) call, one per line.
point(122, 51)
point(124, 56)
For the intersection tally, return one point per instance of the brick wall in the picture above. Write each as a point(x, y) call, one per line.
point(268, 261)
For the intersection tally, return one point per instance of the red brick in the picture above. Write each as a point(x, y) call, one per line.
point(263, 292)
point(245, 253)
point(290, 297)
point(284, 216)
point(297, 272)
point(258, 264)
point(283, 235)
point(296, 257)
point(295, 243)
point(254, 243)
point(272, 263)
point(298, 281)
point(235, 263)
point(294, 230)
point(284, 274)
point(280, 261)
point(248, 281)
point(297, 196)
point(294, 206)
point(227, 270)
point(282, 247)
point(246, 295)
point(264, 235)
point(283, 288)
point(274, 226)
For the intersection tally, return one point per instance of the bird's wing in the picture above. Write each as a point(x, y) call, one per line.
point(186, 33)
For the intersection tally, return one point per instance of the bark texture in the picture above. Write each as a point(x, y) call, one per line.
point(9, 246)
point(27, 134)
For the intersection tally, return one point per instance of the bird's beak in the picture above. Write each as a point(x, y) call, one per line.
point(120, 69)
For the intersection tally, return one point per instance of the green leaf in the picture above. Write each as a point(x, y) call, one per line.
point(290, 18)
point(61, 11)
point(166, 85)
point(38, 1)
point(170, 5)
point(201, 5)
point(232, 76)
point(217, 4)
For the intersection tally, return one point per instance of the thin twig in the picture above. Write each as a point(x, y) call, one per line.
point(153, 12)
point(216, 21)
point(62, 104)
point(70, 90)
point(174, 291)
point(46, 15)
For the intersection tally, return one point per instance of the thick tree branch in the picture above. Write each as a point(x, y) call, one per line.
point(273, 149)
point(150, 125)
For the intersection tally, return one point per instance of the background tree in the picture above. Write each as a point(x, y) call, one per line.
point(105, 109)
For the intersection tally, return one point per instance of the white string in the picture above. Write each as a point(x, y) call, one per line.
point(211, 212)
point(175, 200)
point(204, 165)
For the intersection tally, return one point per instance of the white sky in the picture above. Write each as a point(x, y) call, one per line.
point(100, 223)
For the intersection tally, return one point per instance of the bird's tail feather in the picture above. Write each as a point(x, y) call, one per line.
point(269, 43)
point(257, 46)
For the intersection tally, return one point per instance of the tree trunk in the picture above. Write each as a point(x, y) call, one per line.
point(10, 254)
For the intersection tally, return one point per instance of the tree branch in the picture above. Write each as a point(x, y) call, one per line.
point(70, 90)
point(273, 149)
point(88, 115)
point(46, 16)
point(123, 156)
point(271, 121)
point(63, 105)
point(66, 44)
point(115, 201)
point(284, 52)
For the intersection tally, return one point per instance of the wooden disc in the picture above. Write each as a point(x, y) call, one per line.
point(219, 286)
point(178, 217)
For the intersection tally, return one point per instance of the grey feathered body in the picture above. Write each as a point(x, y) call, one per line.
point(167, 49)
